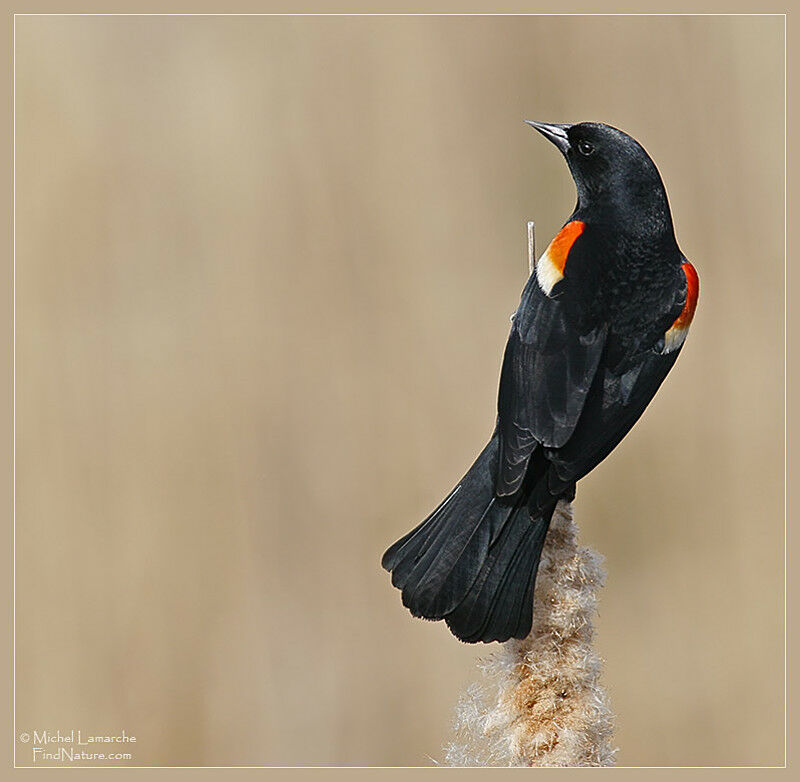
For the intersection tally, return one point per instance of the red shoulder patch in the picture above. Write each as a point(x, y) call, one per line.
point(676, 333)
point(692, 290)
point(562, 243)
point(550, 267)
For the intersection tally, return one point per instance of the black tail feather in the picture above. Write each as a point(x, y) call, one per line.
point(473, 561)
point(499, 605)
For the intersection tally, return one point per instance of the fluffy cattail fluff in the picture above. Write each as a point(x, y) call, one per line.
point(539, 702)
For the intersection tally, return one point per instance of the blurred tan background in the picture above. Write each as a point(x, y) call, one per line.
point(264, 268)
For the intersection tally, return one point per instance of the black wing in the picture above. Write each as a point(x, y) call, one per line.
point(615, 403)
point(550, 361)
point(619, 394)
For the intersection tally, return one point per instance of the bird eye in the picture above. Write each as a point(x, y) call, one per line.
point(585, 148)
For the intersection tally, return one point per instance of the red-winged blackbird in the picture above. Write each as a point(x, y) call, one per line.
point(600, 323)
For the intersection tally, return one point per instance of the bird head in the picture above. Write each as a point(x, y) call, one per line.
point(612, 171)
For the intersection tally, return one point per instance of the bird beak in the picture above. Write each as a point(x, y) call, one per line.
point(555, 133)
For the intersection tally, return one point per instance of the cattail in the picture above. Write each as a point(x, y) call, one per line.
point(539, 701)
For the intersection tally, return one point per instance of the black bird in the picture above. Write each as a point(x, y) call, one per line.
point(601, 321)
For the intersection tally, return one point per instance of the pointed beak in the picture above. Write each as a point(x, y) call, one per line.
point(555, 133)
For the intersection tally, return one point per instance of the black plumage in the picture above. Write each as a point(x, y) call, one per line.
point(600, 323)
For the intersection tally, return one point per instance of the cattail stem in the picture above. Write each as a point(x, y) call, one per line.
point(539, 701)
